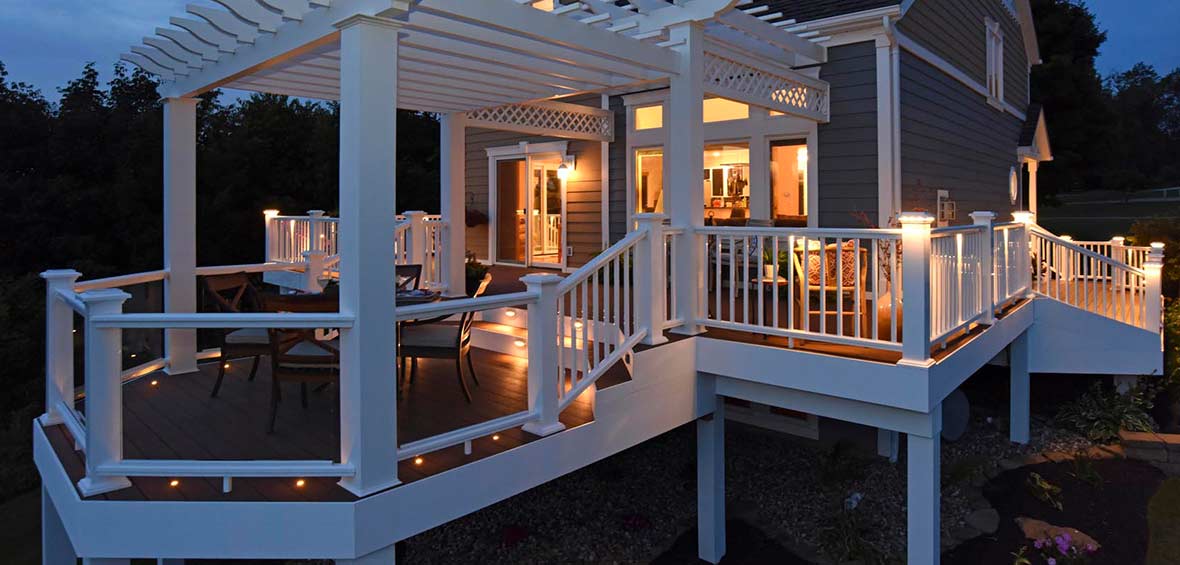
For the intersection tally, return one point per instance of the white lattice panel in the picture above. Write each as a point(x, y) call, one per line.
point(799, 95)
point(548, 118)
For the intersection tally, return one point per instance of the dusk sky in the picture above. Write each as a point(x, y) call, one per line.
point(46, 42)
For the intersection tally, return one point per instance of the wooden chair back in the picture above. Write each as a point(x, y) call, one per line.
point(409, 277)
point(231, 294)
point(468, 318)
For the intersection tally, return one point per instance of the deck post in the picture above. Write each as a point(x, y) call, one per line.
point(711, 485)
point(650, 278)
point(1019, 392)
point(104, 392)
point(915, 291)
point(923, 493)
point(269, 224)
point(544, 379)
point(59, 344)
point(417, 231)
point(1153, 304)
point(987, 262)
point(453, 190)
point(685, 158)
point(105, 561)
point(56, 548)
point(384, 556)
point(1118, 249)
point(180, 229)
point(315, 230)
point(1033, 165)
point(1024, 268)
point(368, 196)
point(313, 271)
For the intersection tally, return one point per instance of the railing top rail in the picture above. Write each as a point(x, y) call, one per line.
point(850, 233)
point(121, 280)
point(71, 300)
point(1073, 245)
point(1007, 225)
point(585, 271)
point(225, 320)
point(452, 307)
point(952, 230)
point(248, 268)
point(1109, 242)
point(674, 231)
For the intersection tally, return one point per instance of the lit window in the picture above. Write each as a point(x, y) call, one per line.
point(727, 181)
point(721, 110)
point(995, 61)
point(649, 117)
point(788, 181)
point(545, 5)
point(649, 180)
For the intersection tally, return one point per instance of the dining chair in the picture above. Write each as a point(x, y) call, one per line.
point(822, 278)
point(233, 294)
point(441, 340)
point(409, 277)
point(295, 354)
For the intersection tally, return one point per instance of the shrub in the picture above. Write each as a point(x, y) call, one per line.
point(1166, 231)
point(1100, 413)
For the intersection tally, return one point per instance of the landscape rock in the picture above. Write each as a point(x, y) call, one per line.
point(986, 520)
point(1038, 529)
point(965, 533)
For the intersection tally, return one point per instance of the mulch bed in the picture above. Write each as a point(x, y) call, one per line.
point(744, 545)
point(1112, 510)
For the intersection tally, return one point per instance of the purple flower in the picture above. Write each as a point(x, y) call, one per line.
point(1090, 548)
point(1039, 544)
point(1052, 561)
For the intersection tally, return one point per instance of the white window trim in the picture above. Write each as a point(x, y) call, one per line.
point(522, 150)
point(994, 36)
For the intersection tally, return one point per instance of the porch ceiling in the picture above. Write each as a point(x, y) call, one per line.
point(454, 55)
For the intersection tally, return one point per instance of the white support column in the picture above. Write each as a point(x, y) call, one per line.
point(915, 244)
point(180, 229)
point(313, 270)
point(888, 444)
point(315, 231)
point(1024, 268)
point(711, 485)
point(1019, 391)
point(164, 561)
point(56, 548)
point(650, 279)
point(59, 344)
point(1153, 269)
point(1032, 185)
point(271, 238)
point(368, 194)
point(987, 260)
point(384, 556)
point(417, 231)
point(105, 561)
point(683, 162)
point(1118, 248)
point(104, 392)
point(544, 380)
point(923, 494)
point(885, 125)
point(760, 192)
point(452, 193)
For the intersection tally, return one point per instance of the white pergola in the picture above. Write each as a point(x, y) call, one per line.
point(491, 63)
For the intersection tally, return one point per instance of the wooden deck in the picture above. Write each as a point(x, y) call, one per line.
point(176, 419)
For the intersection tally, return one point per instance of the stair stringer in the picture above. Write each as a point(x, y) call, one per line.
point(1066, 339)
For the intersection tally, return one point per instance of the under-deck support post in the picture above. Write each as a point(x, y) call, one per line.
point(1019, 395)
point(915, 243)
point(650, 283)
point(104, 392)
point(453, 190)
point(59, 345)
point(685, 159)
point(384, 556)
point(368, 195)
point(180, 229)
point(923, 494)
point(544, 379)
point(987, 262)
point(711, 485)
point(105, 561)
point(56, 548)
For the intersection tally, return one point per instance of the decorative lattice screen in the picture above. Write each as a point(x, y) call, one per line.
point(548, 118)
point(798, 95)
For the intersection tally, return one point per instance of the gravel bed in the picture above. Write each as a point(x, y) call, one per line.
point(630, 507)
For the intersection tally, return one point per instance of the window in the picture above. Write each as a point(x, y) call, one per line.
point(788, 181)
point(726, 179)
point(649, 180)
point(721, 110)
point(649, 117)
point(995, 62)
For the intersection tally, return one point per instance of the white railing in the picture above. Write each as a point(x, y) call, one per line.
point(419, 238)
point(673, 316)
point(596, 325)
point(956, 279)
point(1011, 259)
point(1117, 249)
point(549, 228)
point(1067, 272)
point(818, 284)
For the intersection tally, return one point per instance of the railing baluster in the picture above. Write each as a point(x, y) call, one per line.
point(761, 284)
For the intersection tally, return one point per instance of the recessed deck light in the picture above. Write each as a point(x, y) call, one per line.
point(300, 483)
point(418, 460)
point(174, 483)
point(155, 382)
point(495, 437)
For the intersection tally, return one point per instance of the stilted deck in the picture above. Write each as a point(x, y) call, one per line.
point(175, 418)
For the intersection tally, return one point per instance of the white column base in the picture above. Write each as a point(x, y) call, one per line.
point(361, 491)
point(888, 444)
point(1019, 394)
point(92, 486)
point(56, 548)
point(185, 367)
point(384, 556)
point(923, 497)
point(542, 429)
point(711, 485)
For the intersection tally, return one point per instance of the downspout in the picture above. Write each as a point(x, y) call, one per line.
point(895, 71)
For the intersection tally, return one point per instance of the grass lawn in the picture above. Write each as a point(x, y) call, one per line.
point(1163, 520)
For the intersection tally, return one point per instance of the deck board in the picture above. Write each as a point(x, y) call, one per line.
point(177, 419)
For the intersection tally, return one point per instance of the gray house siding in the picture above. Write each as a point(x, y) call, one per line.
point(955, 31)
point(847, 181)
point(952, 139)
point(618, 172)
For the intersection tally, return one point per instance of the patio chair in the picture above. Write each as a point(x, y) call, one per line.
point(848, 283)
point(433, 339)
point(235, 293)
point(296, 355)
point(409, 277)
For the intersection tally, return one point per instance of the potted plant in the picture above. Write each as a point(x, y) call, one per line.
point(475, 272)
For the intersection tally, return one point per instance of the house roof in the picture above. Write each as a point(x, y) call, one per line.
point(1028, 131)
point(809, 10)
point(1034, 135)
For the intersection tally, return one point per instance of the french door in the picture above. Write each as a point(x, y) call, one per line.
point(530, 211)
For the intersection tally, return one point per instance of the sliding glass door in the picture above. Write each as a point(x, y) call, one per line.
point(530, 211)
